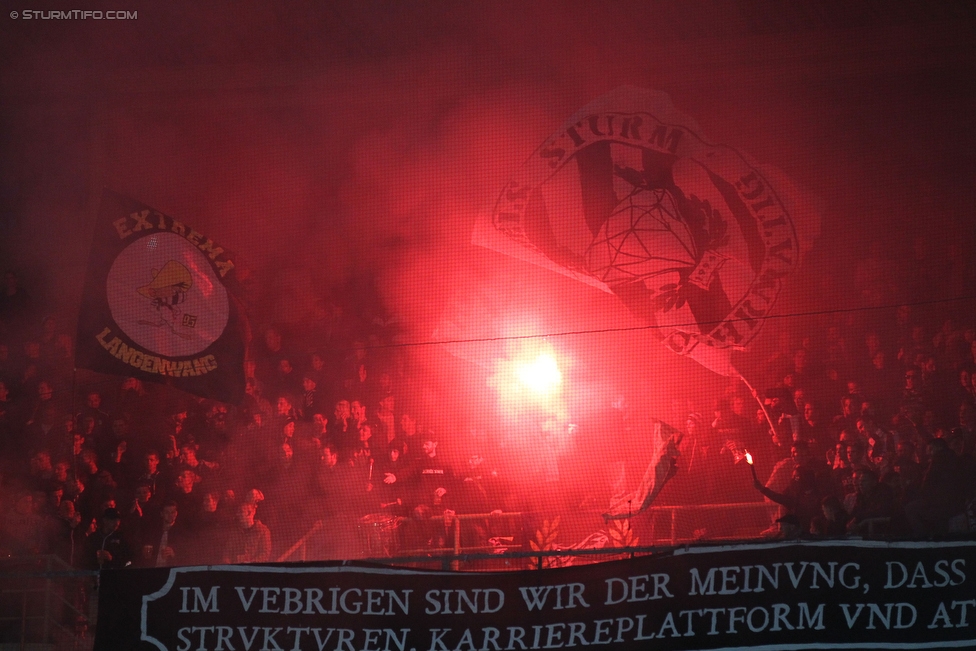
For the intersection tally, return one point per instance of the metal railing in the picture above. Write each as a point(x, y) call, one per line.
point(299, 551)
point(382, 540)
point(44, 604)
point(673, 537)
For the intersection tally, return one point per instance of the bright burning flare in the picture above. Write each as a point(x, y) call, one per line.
point(748, 458)
point(541, 375)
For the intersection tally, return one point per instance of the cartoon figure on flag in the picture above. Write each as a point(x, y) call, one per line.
point(694, 238)
point(166, 293)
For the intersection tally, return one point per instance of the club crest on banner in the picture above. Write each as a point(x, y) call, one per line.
point(692, 236)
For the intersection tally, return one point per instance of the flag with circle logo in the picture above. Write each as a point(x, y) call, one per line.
point(159, 303)
point(629, 196)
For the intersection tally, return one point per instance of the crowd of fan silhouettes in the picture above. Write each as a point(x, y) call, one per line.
point(868, 429)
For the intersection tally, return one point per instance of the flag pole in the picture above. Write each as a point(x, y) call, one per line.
point(755, 394)
point(71, 435)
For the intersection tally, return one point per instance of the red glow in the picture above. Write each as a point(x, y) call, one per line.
point(530, 380)
point(541, 375)
point(533, 417)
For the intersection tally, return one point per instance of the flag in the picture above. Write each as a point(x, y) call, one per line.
point(159, 303)
point(662, 468)
point(629, 195)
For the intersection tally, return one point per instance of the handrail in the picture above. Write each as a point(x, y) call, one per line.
point(43, 581)
point(300, 543)
point(674, 509)
point(456, 520)
point(456, 550)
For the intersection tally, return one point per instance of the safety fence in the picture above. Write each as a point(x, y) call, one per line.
point(46, 605)
point(490, 541)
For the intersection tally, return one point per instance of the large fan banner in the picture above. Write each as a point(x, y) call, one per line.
point(773, 596)
point(158, 304)
point(692, 236)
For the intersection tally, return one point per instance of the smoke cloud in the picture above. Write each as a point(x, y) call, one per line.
point(342, 148)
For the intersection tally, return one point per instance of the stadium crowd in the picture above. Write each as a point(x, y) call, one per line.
point(114, 472)
point(866, 429)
